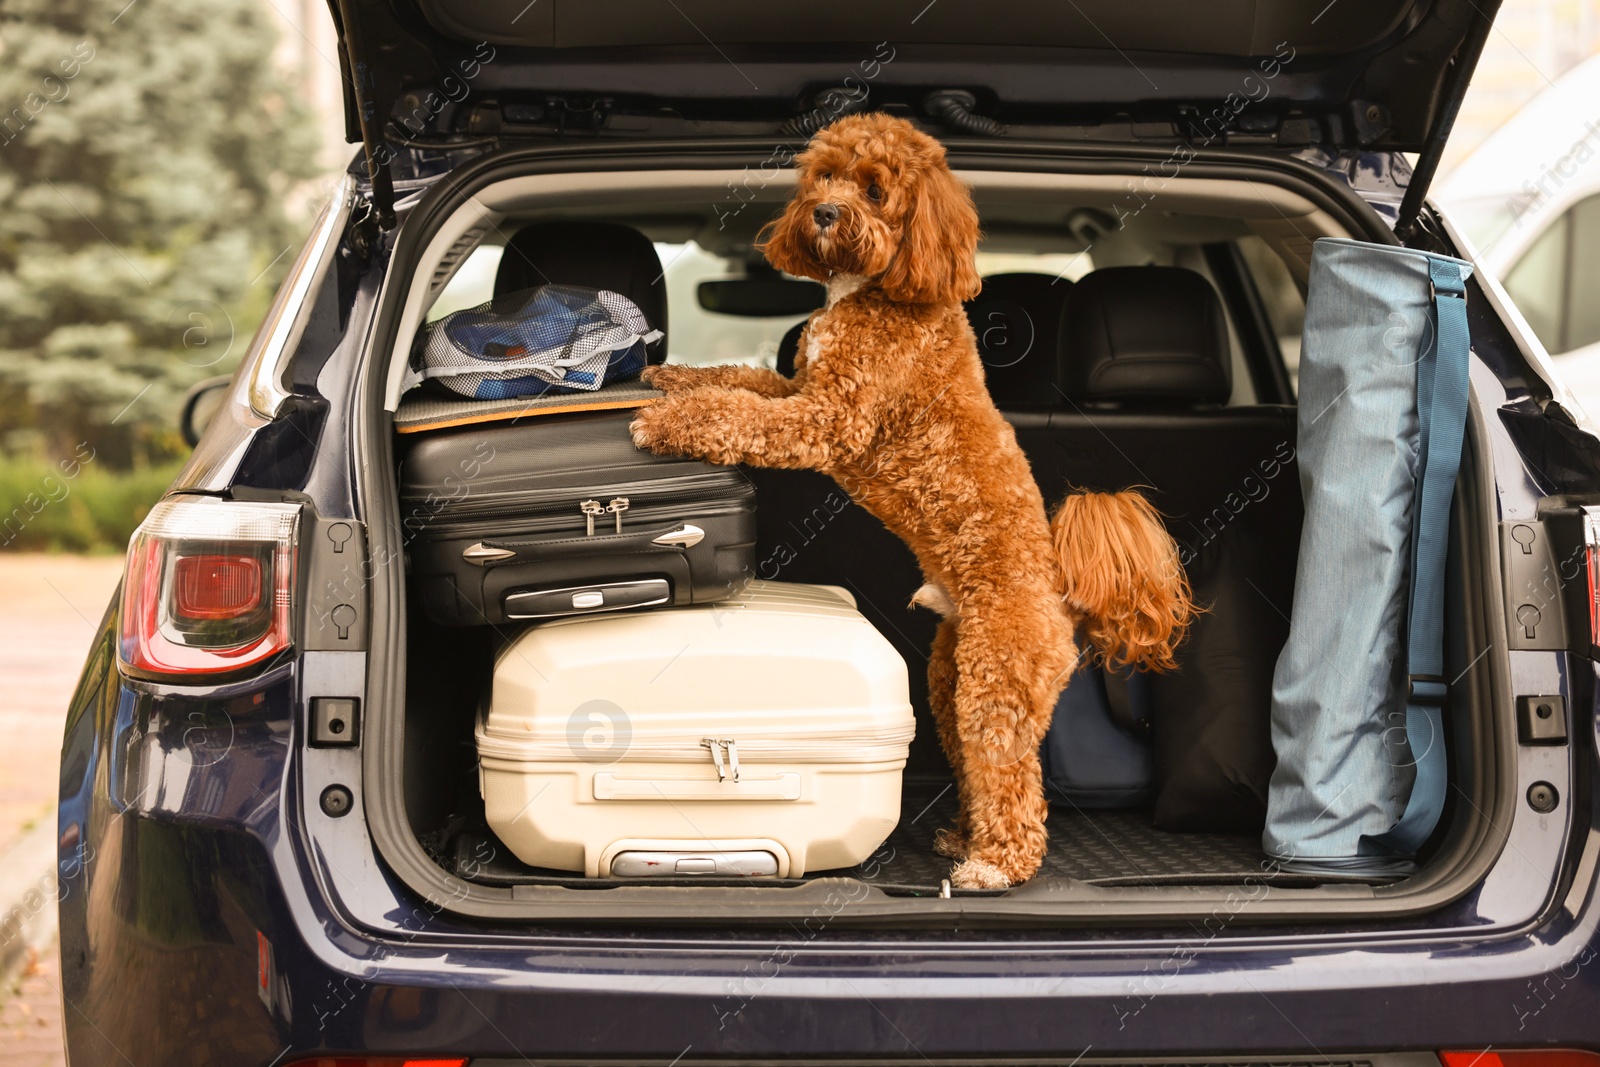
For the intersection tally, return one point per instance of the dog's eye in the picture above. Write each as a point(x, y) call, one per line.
point(874, 193)
point(828, 177)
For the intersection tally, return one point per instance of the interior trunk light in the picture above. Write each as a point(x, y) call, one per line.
point(209, 586)
point(1544, 1057)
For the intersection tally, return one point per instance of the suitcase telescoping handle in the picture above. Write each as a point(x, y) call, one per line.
point(672, 537)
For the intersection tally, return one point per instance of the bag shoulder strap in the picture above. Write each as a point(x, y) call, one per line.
point(1442, 384)
point(1120, 701)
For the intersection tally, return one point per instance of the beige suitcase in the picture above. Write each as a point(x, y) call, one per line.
point(764, 735)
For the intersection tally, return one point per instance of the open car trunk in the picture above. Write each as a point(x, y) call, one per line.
point(1224, 477)
point(450, 668)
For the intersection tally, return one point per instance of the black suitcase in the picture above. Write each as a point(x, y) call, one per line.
point(562, 515)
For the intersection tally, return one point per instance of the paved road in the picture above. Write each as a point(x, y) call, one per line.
point(30, 1017)
point(49, 606)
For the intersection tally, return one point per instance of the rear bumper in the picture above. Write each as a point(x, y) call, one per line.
point(185, 942)
point(184, 1004)
point(200, 923)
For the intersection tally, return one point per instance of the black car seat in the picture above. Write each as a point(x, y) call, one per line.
point(1145, 377)
point(1145, 336)
point(1017, 320)
point(600, 255)
point(789, 348)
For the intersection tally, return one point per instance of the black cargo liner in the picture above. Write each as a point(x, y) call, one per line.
point(1112, 847)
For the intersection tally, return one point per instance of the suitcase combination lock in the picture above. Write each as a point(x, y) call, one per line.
point(593, 508)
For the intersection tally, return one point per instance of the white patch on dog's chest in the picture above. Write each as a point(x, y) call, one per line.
point(842, 285)
point(839, 287)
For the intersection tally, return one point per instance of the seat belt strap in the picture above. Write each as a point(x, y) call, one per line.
point(1120, 701)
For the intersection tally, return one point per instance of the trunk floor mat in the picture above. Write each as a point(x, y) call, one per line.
point(1100, 847)
point(1113, 847)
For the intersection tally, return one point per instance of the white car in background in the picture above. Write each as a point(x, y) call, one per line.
point(1529, 199)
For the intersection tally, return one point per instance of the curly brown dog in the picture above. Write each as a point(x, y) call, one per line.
point(888, 398)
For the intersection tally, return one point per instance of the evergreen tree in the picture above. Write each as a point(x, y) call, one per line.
point(146, 152)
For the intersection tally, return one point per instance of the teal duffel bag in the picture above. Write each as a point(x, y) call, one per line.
point(1359, 687)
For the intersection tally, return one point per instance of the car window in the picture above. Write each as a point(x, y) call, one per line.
point(473, 283)
point(1486, 221)
point(1535, 285)
point(1286, 307)
point(1583, 275)
point(1069, 265)
point(698, 335)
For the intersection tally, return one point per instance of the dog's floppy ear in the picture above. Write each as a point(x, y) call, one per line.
point(934, 264)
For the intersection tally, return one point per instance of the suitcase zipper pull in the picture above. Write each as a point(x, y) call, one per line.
point(720, 747)
point(617, 506)
point(590, 509)
point(716, 756)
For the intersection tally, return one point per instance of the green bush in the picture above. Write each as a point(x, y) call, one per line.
point(73, 506)
point(150, 153)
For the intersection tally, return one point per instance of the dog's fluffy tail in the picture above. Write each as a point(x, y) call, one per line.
point(1120, 571)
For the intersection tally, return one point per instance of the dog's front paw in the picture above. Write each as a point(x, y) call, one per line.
point(663, 428)
point(646, 428)
point(669, 378)
point(976, 874)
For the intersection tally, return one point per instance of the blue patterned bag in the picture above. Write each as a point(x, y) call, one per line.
point(553, 339)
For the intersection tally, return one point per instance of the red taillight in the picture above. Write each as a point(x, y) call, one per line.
point(1544, 1057)
point(216, 586)
point(209, 586)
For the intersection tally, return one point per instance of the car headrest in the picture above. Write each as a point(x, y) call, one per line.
point(600, 255)
point(1147, 335)
point(1017, 320)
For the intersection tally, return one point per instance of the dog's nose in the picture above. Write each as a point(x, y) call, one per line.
point(825, 215)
